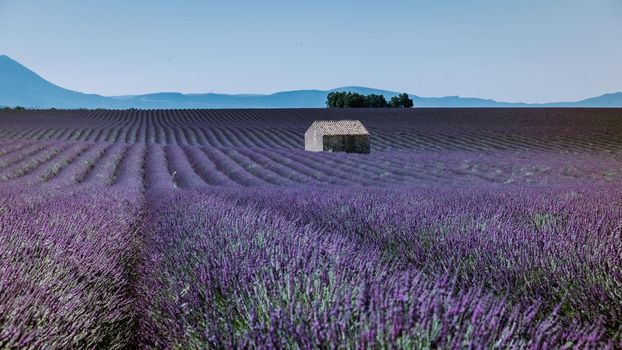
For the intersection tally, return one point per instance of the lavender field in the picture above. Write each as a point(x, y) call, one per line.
point(194, 229)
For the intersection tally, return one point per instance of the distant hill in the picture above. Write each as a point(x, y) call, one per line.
point(19, 86)
point(608, 100)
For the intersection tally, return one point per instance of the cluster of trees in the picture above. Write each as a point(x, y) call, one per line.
point(355, 100)
point(17, 108)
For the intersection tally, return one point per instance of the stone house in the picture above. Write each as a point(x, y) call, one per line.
point(337, 136)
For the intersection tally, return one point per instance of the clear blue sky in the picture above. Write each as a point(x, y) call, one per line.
point(527, 50)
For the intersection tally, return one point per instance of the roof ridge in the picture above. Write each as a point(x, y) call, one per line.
point(342, 126)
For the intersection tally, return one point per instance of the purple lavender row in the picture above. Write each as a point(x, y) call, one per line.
point(104, 169)
point(201, 167)
point(556, 131)
point(217, 274)
point(66, 262)
point(556, 246)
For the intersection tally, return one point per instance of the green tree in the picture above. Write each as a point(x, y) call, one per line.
point(354, 100)
point(345, 100)
point(376, 101)
point(406, 101)
point(401, 101)
point(335, 100)
point(339, 99)
point(394, 102)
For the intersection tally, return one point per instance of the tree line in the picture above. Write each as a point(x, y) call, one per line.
point(356, 100)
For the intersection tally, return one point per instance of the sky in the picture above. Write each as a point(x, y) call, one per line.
point(507, 50)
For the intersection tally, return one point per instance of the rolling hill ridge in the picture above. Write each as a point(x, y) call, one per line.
point(20, 86)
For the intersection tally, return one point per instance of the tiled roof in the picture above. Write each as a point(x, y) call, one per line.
point(340, 127)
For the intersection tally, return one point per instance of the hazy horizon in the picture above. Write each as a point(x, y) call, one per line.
point(528, 51)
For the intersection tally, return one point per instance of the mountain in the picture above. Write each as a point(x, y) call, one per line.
point(19, 86)
point(608, 100)
point(300, 99)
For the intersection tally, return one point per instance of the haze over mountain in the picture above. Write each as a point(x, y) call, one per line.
point(19, 86)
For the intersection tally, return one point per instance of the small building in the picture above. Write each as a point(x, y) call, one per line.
point(337, 136)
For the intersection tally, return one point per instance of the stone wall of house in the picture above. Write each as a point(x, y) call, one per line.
point(313, 141)
point(346, 143)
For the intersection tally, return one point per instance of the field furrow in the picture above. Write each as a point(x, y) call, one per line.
point(77, 169)
point(206, 169)
point(103, 171)
point(181, 169)
point(232, 169)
